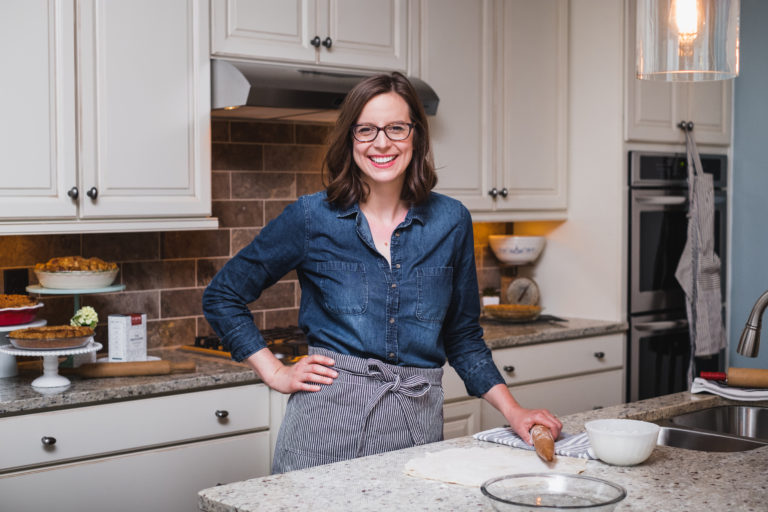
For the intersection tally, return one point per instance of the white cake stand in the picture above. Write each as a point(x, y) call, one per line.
point(50, 377)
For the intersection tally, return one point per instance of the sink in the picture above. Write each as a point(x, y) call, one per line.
point(737, 420)
point(727, 428)
point(705, 441)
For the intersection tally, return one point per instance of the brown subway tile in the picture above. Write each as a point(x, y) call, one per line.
point(226, 157)
point(313, 133)
point(293, 158)
point(262, 132)
point(175, 303)
point(263, 185)
point(170, 333)
point(488, 278)
point(123, 303)
point(242, 237)
point(239, 213)
point(281, 318)
point(220, 185)
point(122, 246)
point(58, 310)
point(482, 230)
point(152, 275)
point(25, 251)
point(219, 131)
point(308, 183)
point(207, 268)
point(280, 295)
point(194, 244)
point(274, 208)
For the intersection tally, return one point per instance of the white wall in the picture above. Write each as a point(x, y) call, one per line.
point(581, 271)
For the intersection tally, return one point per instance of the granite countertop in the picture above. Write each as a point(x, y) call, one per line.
point(17, 396)
point(672, 479)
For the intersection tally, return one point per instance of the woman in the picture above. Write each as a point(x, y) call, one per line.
point(389, 291)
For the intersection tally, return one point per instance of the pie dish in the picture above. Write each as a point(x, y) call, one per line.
point(17, 309)
point(76, 273)
point(512, 312)
point(51, 337)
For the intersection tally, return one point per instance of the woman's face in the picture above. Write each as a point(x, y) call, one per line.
point(383, 160)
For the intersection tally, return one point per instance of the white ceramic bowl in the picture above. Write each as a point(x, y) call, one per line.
point(516, 250)
point(622, 442)
point(76, 280)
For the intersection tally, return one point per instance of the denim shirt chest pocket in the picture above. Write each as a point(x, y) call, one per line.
point(434, 288)
point(344, 287)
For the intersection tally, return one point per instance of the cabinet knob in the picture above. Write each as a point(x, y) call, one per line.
point(504, 192)
point(327, 42)
point(509, 369)
point(315, 42)
point(599, 355)
point(93, 193)
point(221, 413)
point(73, 193)
point(48, 440)
point(493, 192)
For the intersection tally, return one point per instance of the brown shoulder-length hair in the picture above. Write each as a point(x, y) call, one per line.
point(341, 175)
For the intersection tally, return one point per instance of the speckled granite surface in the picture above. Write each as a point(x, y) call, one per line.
point(672, 479)
point(17, 396)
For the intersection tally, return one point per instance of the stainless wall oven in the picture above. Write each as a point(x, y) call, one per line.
point(659, 346)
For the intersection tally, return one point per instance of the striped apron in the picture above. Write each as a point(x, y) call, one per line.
point(371, 407)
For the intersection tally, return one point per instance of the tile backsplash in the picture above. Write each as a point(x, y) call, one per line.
point(257, 169)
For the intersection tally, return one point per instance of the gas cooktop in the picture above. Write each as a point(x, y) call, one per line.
point(287, 343)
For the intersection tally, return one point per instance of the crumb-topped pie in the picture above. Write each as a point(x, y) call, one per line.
point(75, 264)
point(51, 336)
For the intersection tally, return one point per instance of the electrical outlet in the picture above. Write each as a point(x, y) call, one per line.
point(15, 280)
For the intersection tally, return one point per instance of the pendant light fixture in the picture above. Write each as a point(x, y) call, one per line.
point(687, 40)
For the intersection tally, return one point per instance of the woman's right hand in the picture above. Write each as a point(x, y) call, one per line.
point(307, 374)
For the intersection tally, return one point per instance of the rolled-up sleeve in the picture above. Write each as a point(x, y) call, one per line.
point(465, 349)
point(278, 249)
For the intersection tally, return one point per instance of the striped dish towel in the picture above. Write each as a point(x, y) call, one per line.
point(567, 445)
point(705, 386)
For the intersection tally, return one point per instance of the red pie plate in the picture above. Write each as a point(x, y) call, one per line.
point(18, 316)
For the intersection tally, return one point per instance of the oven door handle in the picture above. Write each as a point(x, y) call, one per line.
point(662, 200)
point(666, 325)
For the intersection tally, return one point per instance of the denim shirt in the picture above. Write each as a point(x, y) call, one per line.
point(420, 311)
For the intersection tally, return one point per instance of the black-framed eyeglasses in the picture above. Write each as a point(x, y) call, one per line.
point(393, 131)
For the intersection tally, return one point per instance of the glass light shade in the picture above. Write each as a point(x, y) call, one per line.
point(687, 40)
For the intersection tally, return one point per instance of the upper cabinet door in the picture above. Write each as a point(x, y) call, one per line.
point(364, 33)
point(37, 125)
point(654, 109)
point(144, 98)
point(280, 30)
point(534, 90)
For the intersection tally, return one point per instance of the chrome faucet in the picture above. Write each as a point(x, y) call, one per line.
point(749, 342)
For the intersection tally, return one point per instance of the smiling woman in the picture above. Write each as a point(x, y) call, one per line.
point(389, 294)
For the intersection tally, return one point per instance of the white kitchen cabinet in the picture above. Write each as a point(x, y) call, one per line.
point(500, 133)
point(157, 451)
point(563, 376)
point(363, 34)
point(461, 418)
point(654, 109)
point(106, 124)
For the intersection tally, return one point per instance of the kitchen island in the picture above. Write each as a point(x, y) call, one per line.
point(672, 479)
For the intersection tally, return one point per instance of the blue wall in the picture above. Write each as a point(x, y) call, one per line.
point(749, 220)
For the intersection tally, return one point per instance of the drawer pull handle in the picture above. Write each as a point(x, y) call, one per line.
point(597, 407)
point(600, 355)
point(509, 369)
point(221, 414)
point(48, 440)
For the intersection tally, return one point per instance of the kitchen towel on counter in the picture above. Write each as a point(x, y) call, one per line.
point(567, 445)
point(707, 386)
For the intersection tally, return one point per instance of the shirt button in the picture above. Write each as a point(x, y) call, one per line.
point(394, 285)
point(397, 233)
point(397, 265)
point(391, 320)
point(391, 355)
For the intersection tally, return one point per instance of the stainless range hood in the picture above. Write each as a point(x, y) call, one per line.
point(272, 91)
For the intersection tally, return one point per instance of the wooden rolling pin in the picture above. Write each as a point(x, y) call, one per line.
point(740, 377)
point(543, 442)
point(133, 368)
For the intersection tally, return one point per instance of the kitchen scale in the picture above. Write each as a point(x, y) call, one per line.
point(512, 253)
point(517, 289)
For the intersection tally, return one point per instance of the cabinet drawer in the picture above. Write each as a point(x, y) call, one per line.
point(564, 396)
point(110, 428)
point(554, 360)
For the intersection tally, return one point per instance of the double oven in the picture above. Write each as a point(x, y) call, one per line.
point(659, 352)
